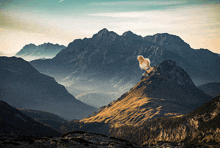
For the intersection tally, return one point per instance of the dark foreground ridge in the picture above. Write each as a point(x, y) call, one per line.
point(15, 124)
point(79, 139)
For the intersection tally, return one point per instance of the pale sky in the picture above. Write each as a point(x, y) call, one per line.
point(23, 22)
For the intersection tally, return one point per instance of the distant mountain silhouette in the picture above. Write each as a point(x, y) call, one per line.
point(64, 126)
point(44, 117)
point(199, 127)
point(107, 62)
point(14, 123)
point(95, 99)
point(24, 87)
point(166, 91)
point(212, 89)
point(46, 50)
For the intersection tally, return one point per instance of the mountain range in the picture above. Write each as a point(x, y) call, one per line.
point(107, 62)
point(46, 50)
point(22, 86)
point(166, 91)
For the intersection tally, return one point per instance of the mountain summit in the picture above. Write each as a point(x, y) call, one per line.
point(46, 50)
point(131, 36)
point(166, 91)
point(165, 39)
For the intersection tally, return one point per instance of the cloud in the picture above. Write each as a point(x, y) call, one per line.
point(134, 14)
point(61, 1)
point(138, 3)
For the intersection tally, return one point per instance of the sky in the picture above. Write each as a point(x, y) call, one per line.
point(23, 22)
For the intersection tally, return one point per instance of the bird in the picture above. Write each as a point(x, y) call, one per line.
point(144, 63)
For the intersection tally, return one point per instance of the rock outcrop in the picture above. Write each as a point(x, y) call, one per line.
point(77, 139)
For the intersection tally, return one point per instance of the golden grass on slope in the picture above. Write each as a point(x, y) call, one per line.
point(135, 109)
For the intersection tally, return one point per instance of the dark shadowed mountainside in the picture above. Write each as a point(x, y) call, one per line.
point(15, 123)
point(212, 89)
point(166, 91)
point(46, 50)
point(199, 127)
point(23, 86)
point(44, 117)
point(107, 62)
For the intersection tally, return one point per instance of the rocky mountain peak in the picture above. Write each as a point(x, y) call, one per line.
point(101, 33)
point(131, 36)
point(105, 35)
point(29, 46)
point(170, 70)
point(166, 39)
point(16, 65)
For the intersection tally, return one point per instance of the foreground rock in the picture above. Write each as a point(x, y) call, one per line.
point(79, 139)
point(76, 139)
